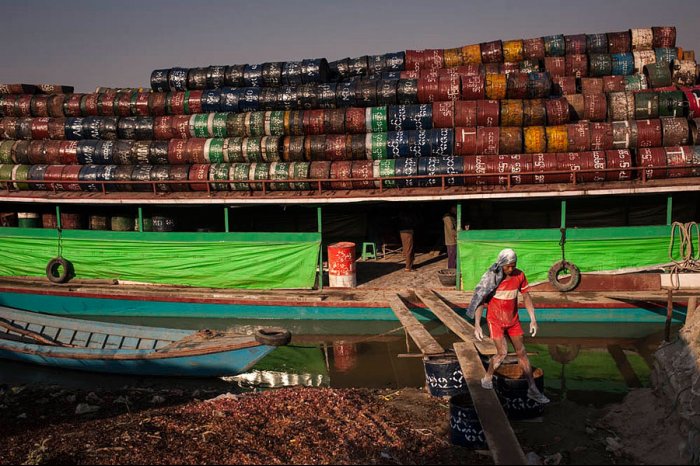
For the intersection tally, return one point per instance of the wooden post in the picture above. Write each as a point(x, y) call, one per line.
point(58, 217)
point(319, 221)
point(669, 316)
point(458, 275)
point(692, 307)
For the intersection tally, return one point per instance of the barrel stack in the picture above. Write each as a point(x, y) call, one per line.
point(553, 109)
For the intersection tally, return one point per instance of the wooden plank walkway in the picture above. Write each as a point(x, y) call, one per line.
point(420, 335)
point(500, 437)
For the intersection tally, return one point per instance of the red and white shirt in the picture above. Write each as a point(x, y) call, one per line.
point(503, 307)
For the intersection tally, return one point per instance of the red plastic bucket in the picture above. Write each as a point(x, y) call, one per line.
point(341, 265)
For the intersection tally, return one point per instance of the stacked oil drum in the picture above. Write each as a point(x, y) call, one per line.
point(555, 109)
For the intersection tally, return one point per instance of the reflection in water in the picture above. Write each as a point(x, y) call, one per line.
point(574, 358)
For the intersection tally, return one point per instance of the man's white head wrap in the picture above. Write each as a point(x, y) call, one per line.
point(506, 257)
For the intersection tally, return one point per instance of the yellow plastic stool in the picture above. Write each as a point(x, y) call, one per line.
point(366, 253)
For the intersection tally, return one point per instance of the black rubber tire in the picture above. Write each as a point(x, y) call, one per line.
point(554, 273)
point(52, 267)
point(273, 336)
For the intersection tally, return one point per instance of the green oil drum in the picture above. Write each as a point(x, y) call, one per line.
point(271, 146)
point(218, 172)
point(259, 171)
point(21, 174)
point(233, 150)
point(240, 172)
point(672, 103)
point(218, 125)
point(214, 150)
point(5, 174)
point(375, 146)
point(658, 74)
point(299, 171)
point(376, 120)
point(646, 105)
point(6, 151)
point(635, 82)
point(274, 123)
point(279, 171)
point(251, 149)
point(199, 125)
point(387, 169)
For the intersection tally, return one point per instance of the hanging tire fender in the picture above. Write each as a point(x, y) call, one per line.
point(273, 336)
point(52, 270)
point(557, 268)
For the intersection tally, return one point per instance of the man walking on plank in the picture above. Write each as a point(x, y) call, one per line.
point(498, 289)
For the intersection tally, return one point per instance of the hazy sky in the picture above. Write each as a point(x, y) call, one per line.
point(117, 43)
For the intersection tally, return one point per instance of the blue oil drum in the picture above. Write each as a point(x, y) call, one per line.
point(104, 153)
point(345, 94)
point(443, 375)
point(410, 117)
point(159, 80)
point(622, 64)
point(36, 174)
point(358, 66)
point(511, 387)
point(407, 92)
point(325, 95)
point(407, 166)
point(386, 91)
point(252, 76)
point(442, 141)
point(366, 93)
point(90, 173)
point(596, 43)
point(420, 143)
point(554, 46)
point(292, 73)
point(307, 96)
point(249, 99)
point(339, 69)
point(429, 166)
point(216, 76)
point(73, 128)
point(287, 98)
point(666, 55)
point(394, 62)
point(141, 173)
point(233, 76)
point(228, 101)
point(211, 101)
point(177, 79)
point(272, 74)
point(452, 166)
point(465, 428)
point(86, 151)
point(315, 70)
point(397, 144)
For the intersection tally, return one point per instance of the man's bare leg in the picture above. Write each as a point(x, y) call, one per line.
point(533, 392)
point(496, 361)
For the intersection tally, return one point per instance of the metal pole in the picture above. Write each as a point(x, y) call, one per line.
point(141, 219)
point(226, 228)
point(669, 210)
point(320, 249)
point(563, 214)
point(58, 217)
point(458, 275)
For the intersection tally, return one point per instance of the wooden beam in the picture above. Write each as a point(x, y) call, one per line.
point(500, 437)
point(424, 340)
point(624, 366)
point(454, 322)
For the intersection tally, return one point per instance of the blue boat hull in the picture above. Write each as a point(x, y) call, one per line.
point(209, 365)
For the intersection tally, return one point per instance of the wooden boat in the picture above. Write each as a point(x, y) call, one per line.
point(127, 349)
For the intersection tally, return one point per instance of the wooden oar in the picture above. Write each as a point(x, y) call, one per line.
point(30, 334)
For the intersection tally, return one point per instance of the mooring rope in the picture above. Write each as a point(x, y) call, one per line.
point(688, 250)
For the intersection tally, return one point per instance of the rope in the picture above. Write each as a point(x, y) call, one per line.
point(562, 243)
point(688, 251)
point(60, 243)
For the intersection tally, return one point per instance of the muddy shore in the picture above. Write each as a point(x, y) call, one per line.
point(53, 425)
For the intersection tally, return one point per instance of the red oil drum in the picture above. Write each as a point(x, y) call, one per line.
point(677, 159)
point(36, 153)
point(518, 86)
point(652, 161)
point(563, 85)
point(413, 60)
point(555, 66)
point(336, 148)
point(676, 131)
point(52, 151)
point(664, 37)
point(576, 65)
point(341, 170)
point(410, 74)
point(533, 49)
point(473, 87)
point(512, 112)
point(444, 114)
point(534, 112)
point(579, 136)
point(649, 133)
point(68, 152)
point(601, 136)
point(591, 86)
point(334, 122)
point(71, 108)
point(105, 104)
point(177, 154)
point(320, 170)
point(619, 159)
point(355, 121)
point(362, 171)
point(465, 141)
point(341, 265)
point(123, 104)
point(557, 111)
point(314, 120)
point(428, 90)
point(576, 106)
point(180, 126)
point(40, 128)
point(481, 165)
point(162, 128)
point(433, 59)
point(519, 164)
point(344, 354)
point(199, 172)
point(510, 140)
point(693, 96)
point(487, 112)
point(487, 140)
point(619, 42)
point(158, 102)
point(595, 107)
point(52, 176)
point(23, 105)
point(57, 128)
point(175, 103)
point(543, 164)
point(571, 162)
point(614, 84)
point(492, 52)
point(575, 44)
point(91, 104)
point(466, 113)
point(143, 104)
point(69, 177)
point(194, 102)
point(40, 105)
point(194, 151)
point(449, 88)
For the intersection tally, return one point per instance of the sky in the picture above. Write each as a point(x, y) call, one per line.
point(117, 43)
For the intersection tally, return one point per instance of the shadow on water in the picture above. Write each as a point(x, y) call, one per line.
point(585, 363)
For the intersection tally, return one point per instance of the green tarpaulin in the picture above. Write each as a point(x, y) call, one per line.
point(217, 260)
point(591, 249)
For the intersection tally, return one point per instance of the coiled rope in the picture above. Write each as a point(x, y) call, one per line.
point(688, 257)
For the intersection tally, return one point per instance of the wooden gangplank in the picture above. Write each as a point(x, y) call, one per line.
point(454, 322)
point(420, 335)
point(501, 439)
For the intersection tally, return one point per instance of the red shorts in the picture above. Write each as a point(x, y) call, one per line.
point(497, 330)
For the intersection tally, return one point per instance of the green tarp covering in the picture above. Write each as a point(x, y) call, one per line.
point(591, 249)
point(217, 260)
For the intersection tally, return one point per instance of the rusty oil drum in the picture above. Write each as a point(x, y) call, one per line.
point(652, 162)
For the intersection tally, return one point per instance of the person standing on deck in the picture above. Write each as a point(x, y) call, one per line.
point(502, 317)
point(449, 221)
point(407, 222)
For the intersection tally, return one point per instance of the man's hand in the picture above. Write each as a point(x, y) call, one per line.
point(533, 328)
point(478, 333)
